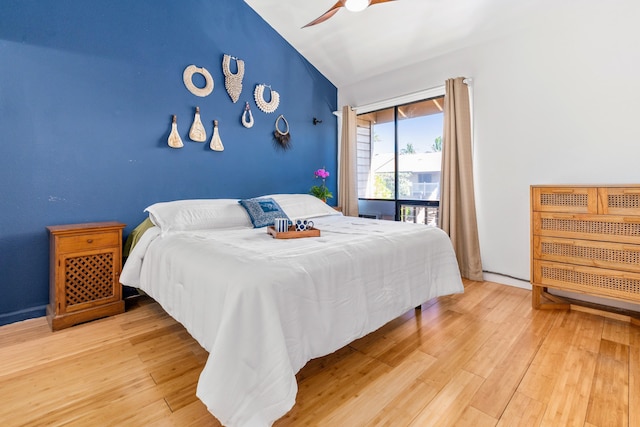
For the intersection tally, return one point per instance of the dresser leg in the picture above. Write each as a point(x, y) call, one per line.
point(536, 293)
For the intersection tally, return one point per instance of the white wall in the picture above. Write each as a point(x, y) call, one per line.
point(556, 102)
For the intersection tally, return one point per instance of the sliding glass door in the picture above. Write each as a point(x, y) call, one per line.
point(399, 159)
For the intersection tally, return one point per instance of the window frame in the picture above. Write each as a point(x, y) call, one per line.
point(396, 103)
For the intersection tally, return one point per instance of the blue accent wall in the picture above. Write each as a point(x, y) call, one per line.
point(87, 91)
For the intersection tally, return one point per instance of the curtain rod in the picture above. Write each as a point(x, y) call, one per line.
point(403, 99)
point(399, 100)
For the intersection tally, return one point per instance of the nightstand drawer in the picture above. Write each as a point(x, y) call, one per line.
point(88, 241)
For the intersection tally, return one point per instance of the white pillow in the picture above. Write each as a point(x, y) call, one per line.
point(182, 215)
point(301, 206)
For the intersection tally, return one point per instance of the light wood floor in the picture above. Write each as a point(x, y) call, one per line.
point(482, 358)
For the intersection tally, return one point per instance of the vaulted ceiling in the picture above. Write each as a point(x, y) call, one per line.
point(353, 46)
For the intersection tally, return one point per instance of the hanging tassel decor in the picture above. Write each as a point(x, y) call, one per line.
point(216, 142)
point(197, 132)
point(174, 140)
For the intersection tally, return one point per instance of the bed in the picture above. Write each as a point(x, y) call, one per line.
point(263, 307)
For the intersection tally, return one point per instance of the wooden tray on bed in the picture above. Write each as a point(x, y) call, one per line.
point(292, 233)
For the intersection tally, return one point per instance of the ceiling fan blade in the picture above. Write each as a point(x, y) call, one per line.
point(372, 2)
point(328, 14)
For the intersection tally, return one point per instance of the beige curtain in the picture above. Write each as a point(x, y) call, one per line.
point(457, 201)
point(347, 173)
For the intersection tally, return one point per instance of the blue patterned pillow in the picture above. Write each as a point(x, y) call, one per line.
point(263, 211)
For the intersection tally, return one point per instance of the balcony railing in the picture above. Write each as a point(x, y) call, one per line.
point(420, 212)
point(416, 211)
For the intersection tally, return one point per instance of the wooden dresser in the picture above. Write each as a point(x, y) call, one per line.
point(85, 264)
point(585, 239)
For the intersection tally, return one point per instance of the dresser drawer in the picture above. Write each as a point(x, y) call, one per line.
point(593, 281)
point(619, 201)
point(618, 256)
point(608, 228)
point(88, 241)
point(565, 199)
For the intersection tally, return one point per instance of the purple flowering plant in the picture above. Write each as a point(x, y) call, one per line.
point(321, 191)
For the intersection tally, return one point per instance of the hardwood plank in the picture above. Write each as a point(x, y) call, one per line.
point(497, 390)
point(194, 414)
point(456, 353)
point(617, 331)
point(522, 411)
point(539, 380)
point(450, 402)
point(609, 399)
point(473, 417)
point(505, 310)
point(375, 396)
point(319, 395)
point(567, 403)
point(404, 407)
point(497, 345)
point(634, 378)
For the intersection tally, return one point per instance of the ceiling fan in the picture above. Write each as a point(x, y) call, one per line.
point(352, 5)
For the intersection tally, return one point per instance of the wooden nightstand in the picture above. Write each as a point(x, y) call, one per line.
point(85, 264)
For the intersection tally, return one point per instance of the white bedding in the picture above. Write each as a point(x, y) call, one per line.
point(263, 307)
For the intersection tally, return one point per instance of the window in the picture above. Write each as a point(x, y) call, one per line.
point(399, 152)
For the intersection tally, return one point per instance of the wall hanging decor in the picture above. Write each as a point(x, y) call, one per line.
point(247, 117)
point(174, 140)
point(233, 82)
point(282, 137)
point(197, 132)
point(187, 77)
point(267, 107)
point(216, 142)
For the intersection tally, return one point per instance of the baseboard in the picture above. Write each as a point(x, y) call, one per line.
point(506, 280)
point(27, 313)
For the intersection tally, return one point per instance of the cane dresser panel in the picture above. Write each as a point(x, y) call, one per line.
point(588, 280)
point(586, 239)
point(588, 253)
point(614, 228)
point(85, 260)
point(619, 201)
point(564, 199)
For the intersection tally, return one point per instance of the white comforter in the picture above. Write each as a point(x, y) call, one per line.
point(263, 307)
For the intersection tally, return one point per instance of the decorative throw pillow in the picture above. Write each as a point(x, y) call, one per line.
point(262, 211)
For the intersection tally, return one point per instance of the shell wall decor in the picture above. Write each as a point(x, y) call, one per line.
point(267, 107)
point(216, 142)
point(197, 132)
point(174, 139)
point(282, 137)
point(247, 117)
point(187, 78)
point(233, 82)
